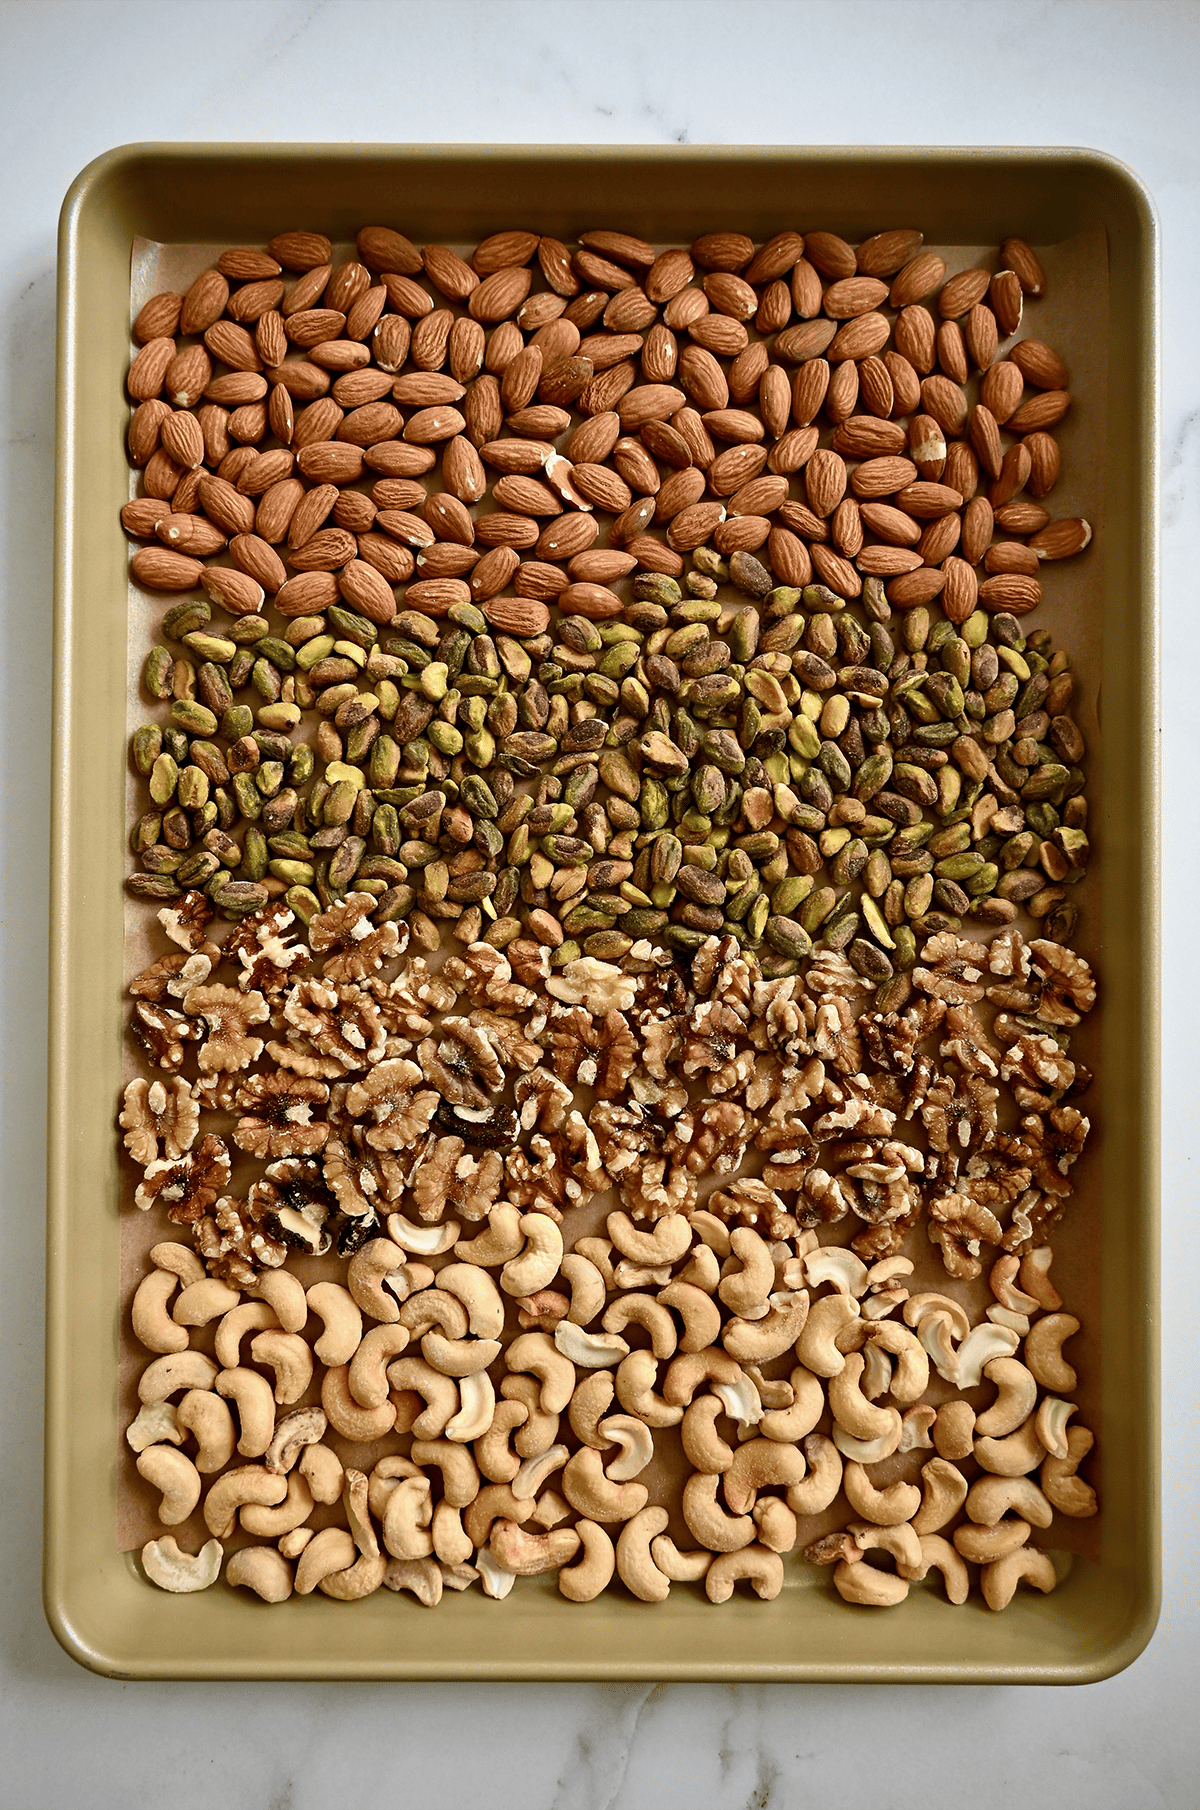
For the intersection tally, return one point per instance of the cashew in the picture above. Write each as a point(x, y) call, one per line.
point(643, 1311)
point(852, 1411)
point(321, 1469)
point(637, 1447)
point(206, 1417)
point(1015, 1398)
point(292, 1512)
point(837, 1266)
point(776, 1524)
point(702, 1271)
point(741, 1402)
point(636, 1376)
point(289, 1357)
point(200, 1302)
point(758, 1341)
point(591, 1399)
point(918, 1306)
point(713, 1231)
point(990, 1498)
point(303, 1427)
point(884, 1507)
point(255, 1406)
point(584, 1581)
point(439, 1393)
point(1011, 1457)
point(328, 1551)
point(598, 1252)
point(587, 1298)
point(355, 1501)
point(251, 1316)
point(824, 1480)
point(263, 1570)
point(943, 1495)
point(703, 1446)
point(531, 1554)
point(591, 1493)
point(153, 1327)
point(938, 1554)
point(493, 1503)
point(670, 1240)
point(1000, 1580)
point(167, 1469)
point(935, 1330)
point(815, 1348)
point(685, 1374)
point(680, 1567)
point(284, 1293)
point(982, 1345)
point(1018, 1323)
point(1069, 1493)
point(478, 1294)
point(492, 1452)
point(179, 1259)
point(887, 1270)
point(166, 1376)
point(367, 1378)
point(502, 1240)
point(700, 1314)
point(434, 1307)
point(954, 1429)
point(450, 1543)
point(1043, 1352)
point(171, 1569)
point(914, 1428)
point(984, 1545)
point(367, 1274)
point(293, 1544)
point(832, 1548)
point(635, 1565)
point(550, 1509)
point(758, 1565)
point(422, 1576)
point(591, 1350)
point(912, 1371)
point(789, 1425)
point(858, 1582)
point(748, 1284)
point(537, 1265)
point(158, 1424)
point(707, 1521)
point(249, 1483)
point(356, 1581)
point(757, 1464)
point(459, 1357)
point(424, 1241)
point(898, 1540)
point(1035, 1278)
point(343, 1322)
point(345, 1415)
point(1001, 1280)
point(1051, 1424)
point(876, 1378)
point(406, 1517)
point(460, 1475)
point(534, 1472)
point(869, 1451)
point(541, 1428)
point(495, 1580)
point(537, 1353)
point(474, 1417)
point(384, 1478)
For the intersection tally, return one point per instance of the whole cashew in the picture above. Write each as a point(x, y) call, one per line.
point(944, 1494)
point(990, 1498)
point(789, 1425)
point(748, 1285)
point(263, 1570)
point(815, 1347)
point(345, 1415)
point(587, 1299)
point(292, 1512)
point(635, 1565)
point(530, 1554)
point(251, 1316)
point(177, 1370)
point(1015, 1400)
point(495, 1502)
point(450, 1542)
point(366, 1276)
point(406, 1517)
point(636, 1377)
point(917, 1306)
point(423, 1241)
point(643, 1311)
point(541, 1428)
point(884, 1507)
point(584, 1581)
point(328, 1551)
point(984, 1545)
point(287, 1354)
point(702, 1271)
point(492, 1452)
point(478, 1294)
point(589, 1403)
point(1050, 1424)
point(180, 1259)
point(171, 1569)
point(166, 1469)
point(1035, 1279)
point(758, 1341)
point(343, 1322)
point(367, 1379)
point(699, 1312)
point(474, 1417)
point(537, 1354)
point(1043, 1352)
point(321, 1469)
point(1011, 1457)
point(233, 1489)
point(1002, 1281)
point(858, 1582)
point(255, 1406)
point(1069, 1493)
point(954, 1429)
point(703, 1446)
point(356, 1581)
point(938, 1554)
point(1000, 1580)
point(460, 1357)
point(538, 1263)
point(205, 1416)
point(680, 1567)
point(384, 1478)
point(501, 1242)
point(757, 1464)
point(153, 1327)
point(776, 1524)
point(460, 1474)
point(200, 1302)
point(824, 1480)
point(302, 1427)
point(670, 1240)
point(686, 1374)
point(707, 1521)
point(911, 1378)
point(440, 1395)
point(434, 1307)
point(637, 1447)
point(284, 1292)
point(593, 1494)
point(851, 1409)
point(758, 1565)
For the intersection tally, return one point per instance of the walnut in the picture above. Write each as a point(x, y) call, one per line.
point(1008, 955)
point(721, 971)
point(407, 1002)
point(216, 1093)
point(589, 982)
point(993, 1174)
point(461, 1063)
point(234, 1247)
point(1038, 1072)
point(824, 1199)
point(159, 1109)
point(174, 974)
point(662, 1041)
point(783, 1018)
point(386, 1095)
point(1068, 985)
point(1033, 1216)
point(625, 1135)
point(188, 1186)
point(542, 1100)
point(885, 1240)
point(361, 1180)
point(530, 962)
point(186, 922)
point(966, 1042)
point(228, 1014)
point(857, 1113)
point(959, 1226)
point(508, 1040)
point(749, 1201)
point(447, 1178)
point(662, 991)
point(1050, 1145)
point(278, 1119)
point(891, 1040)
point(270, 962)
point(955, 973)
point(666, 1098)
point(356, 946)
point(291, 1205)
point(493, 1129)
point(830, 976)
point(962, 1112)
point(886, 1198)
point(484, 974)
point(835, 1035)
point(335, 1030)
point(657, 1186)
point(711, 1048)
point(712, 1139)
point(592, 1052)
point(162, 1033)
point(791, 1151)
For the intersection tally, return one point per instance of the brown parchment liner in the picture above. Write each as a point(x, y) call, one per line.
point(1073, 318)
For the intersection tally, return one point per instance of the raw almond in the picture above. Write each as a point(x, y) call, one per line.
point(312, 325)
point(601, 273)
point(917, 279)
point(182, 439)
point(277, 508)
point(670, 272)
point(1039, 364)
point(1007, 299)
point(940, 539)
point(660, 354)
point(520, 616)
point(622, 248)
point(977, 529)
point(733, 424)
point(320, 421)
point(493, 572)
point(330, 462)
point(555, 260)
point(719, 333)
point(868, 437)
point(448, 272)
point(541, 580)
point(1062, 539)
point(594, 601)
point(722, 251)
point(1014, 475)
point(927, 501)
point(324, 551)
point(354, 388)
point(445, 559)
point(1044, 460)
point(404, 525)
point(906, 383)
point(775, 309)
point(883, 254)
point(141, 516)
point(774, 399)
point(1010, 556)
point(253, 300)
point(270, 339)
point(394, 563)
point(162, 477)
point(299, 250)
point(340, 355)
point(962, 292)
point(801, 520)
point(1001, 388)
point(602, 487)
point(1011, 591)
point(373, 422)
point(224, 505)
point(890, 524)
point(1018, 257)
point(825, 481)
point(806, 289)
point(191, 534)
point(690, 426)
point(525, 496)
point(776, 258)
point(982, 336)
point(501, 250)
point(145, 425)
point(654, 555)
point(148, 371)
point(702, 377)
point(946, 402)
point(811, 339)
point(735, 467)
point(952, 351)
point(740, 534)
point(927, 446)
point(885, 561)
point(808, 391)
point(354, 511)
point(158, 318)
point(649, 402)
point(503, 529)
point(407, 297)
point(234, 390)
point(204, 302)
point(680, 491)
point(367, 591)
point(881, 477)
point(875, 386)
point(693, 526)
point(254, 556)
point(565, 381)
point(685, 309)
point(985, 438)
point(303, 381)
point(960, 593)
point(428, 427)
point(852, 296)
point(629, 311)
point(833, 570)
point(233, 590)
point(761, 496)
point(500, 295)
point(159, 569)
point(961, 470)
point(1040, 412)
point(915, 588)
point(601, 565)
point(841, 398)
point(245, 265)
point(607, 388)
point(916, 337)
point(731, 295)
point(306, 292)
point(436, 596)
point(462, 470)
point(789, 557)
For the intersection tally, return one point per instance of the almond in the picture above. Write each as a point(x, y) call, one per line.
point(868, 437)
point(689, 425)
point(381, 248)
point(182, 439)
point(462, 470)
point(775, 309)
point(148, 371)
point(254, 556)
point(1040, 365)
point(500, 295)
point(354, 388)
point(602, 487)
point(428, 427)
point(346, 284)
point(914, 588)
point(555, 261)
point(927, 501)
point(281, 415)
point(373, 422)
point(158, 318)
point(960, 593)
point(190, 534)
point(232, 345)
point(852, 296)
point(835, 571)
point(367, 591)
point(722, 251)
point(693, 526)
point(621, 247)
point(354, 511)
point(670, 272)
point(917, 279)
point(702, 377)
point(733, 424)
point(320, 421)
point(629, 311)
point(1044, 458)
point(521, 616)
point(801, 520)
point(525, 496)
point(1014, 475)
point(885, 561)
point(236, 389)
point(906, 383)
point(981, 335)
point(312, 325)
point(806, 289)
point(1062, 539)
point(324, 551)
point(1010, 556)
point(300, 250)
point(502, 529)
point(306, 292)
point(654, 555)
point(735, 467)
point(946, 402)
point(407, 297)
point(685, 309)
point(885, 253)
point(233, 590)
point(1040, 412)
point(680, 491)
point(436, 596)
point(776, 258)
point(977, 529)
point(761, 496)
point(841, 398)
point(731, 295)
point(396, 564)
point(808, 391)
point(539, 579)
point(916, 337)
point(594, 601)
point(1001, 388)
point(875, 386)
point(159, 569)
point(162, 477)
point(985, 438)
point(890, 524)
point(302, 381)
point(145, 425)
point(565, 381)
point(340, 355)
point(601, 273)
point(204, 302)
point(789, 557)
point(719, 333)
point(224, 505)
point(492, 573)
point(1007, 300)
point(774, 400)
point(846, 528)
point(276, 510)
point(883, 476)
point(1018, 257)
point(141, 516)
point(746, 372)
point(607, 388)
point(253, 300)
point(392, 459)
point(365, 312)
point(961, 470)
point(825, 482)
point(403, 525)
point(740, 534)
point(940, 539)
point(952, 351)
point(330, 462)
point(245, 265)
point(1011, 591)
point(962, 292)
point(500, 250)
point(445, 559)
point(601, 565)
point(832, 256)
point(649, 402)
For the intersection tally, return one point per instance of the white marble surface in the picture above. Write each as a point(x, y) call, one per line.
point(79, 78)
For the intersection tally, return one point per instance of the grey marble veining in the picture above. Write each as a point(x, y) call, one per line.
point(79, 78)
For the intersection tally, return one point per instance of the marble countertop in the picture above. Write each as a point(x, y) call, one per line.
point(80, 78)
